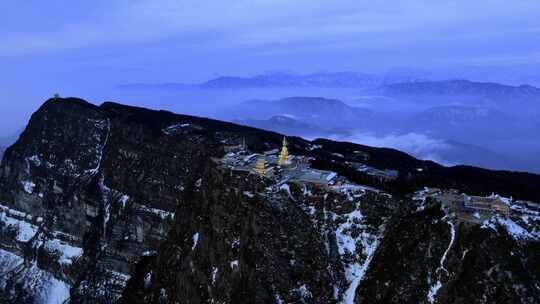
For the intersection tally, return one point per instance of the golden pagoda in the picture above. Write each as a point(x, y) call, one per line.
point(260, 166)
point(283, 154)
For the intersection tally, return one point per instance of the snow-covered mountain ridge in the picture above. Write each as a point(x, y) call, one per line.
point(112, 203)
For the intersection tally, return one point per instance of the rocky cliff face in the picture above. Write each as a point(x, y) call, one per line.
point(120, 204)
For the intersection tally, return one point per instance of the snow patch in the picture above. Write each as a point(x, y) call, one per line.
point(67, 252)
point(347, 245)
point(306, 191)
point(314, 147)
point(159, 212)
point(330, 176)
point(353, 187)
point(172, 128)
point(147, 279)
point(355, 272)
point(195, 240)
point(214, 275)
point(420, 197)
point(25, 231)
point(287, 189)
point(45, 287)
point(123, 200)
point(435, 288)
point(433, 291)
point(106, 204)
point(279, 300)
point(303, 291)
point(34, 159)
point(28, 186)
point(101, 149)
point(58, 292)
point(516, 231)
point(452, 239)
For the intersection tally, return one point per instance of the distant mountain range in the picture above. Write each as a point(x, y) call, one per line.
point(282, 80)
point(463, 87)
point(325, 80)
point(460, 117)
point(390, 83)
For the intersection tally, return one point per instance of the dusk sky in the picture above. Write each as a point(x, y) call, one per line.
point(87, 47)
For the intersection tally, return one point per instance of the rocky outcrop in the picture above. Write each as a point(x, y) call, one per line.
point(96, 184)
point(294, 244)
point(427, 257)
point(121, 204)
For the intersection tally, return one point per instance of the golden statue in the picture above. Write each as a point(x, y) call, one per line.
point(283, 154)
point(260, 166)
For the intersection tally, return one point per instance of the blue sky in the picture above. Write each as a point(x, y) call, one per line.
point(84, 47)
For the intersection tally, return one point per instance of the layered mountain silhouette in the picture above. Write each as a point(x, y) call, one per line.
point(493, 91)
point(281, 80)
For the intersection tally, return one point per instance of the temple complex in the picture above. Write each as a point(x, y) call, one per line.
point(468, 208)
point(277, 165)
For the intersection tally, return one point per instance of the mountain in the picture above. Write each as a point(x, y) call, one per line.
point(458, 115)
point(325, 80)
point(112, 203)
point(496, 117)
point(282, 80)
point(321, 112)
point(282, 124)
point(395, 82)
point(451, 121)
point(169, 86)
point(289, 126)
point(493, 91)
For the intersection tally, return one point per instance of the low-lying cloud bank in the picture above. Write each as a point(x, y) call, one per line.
point(419, 145)
point(446, 152)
